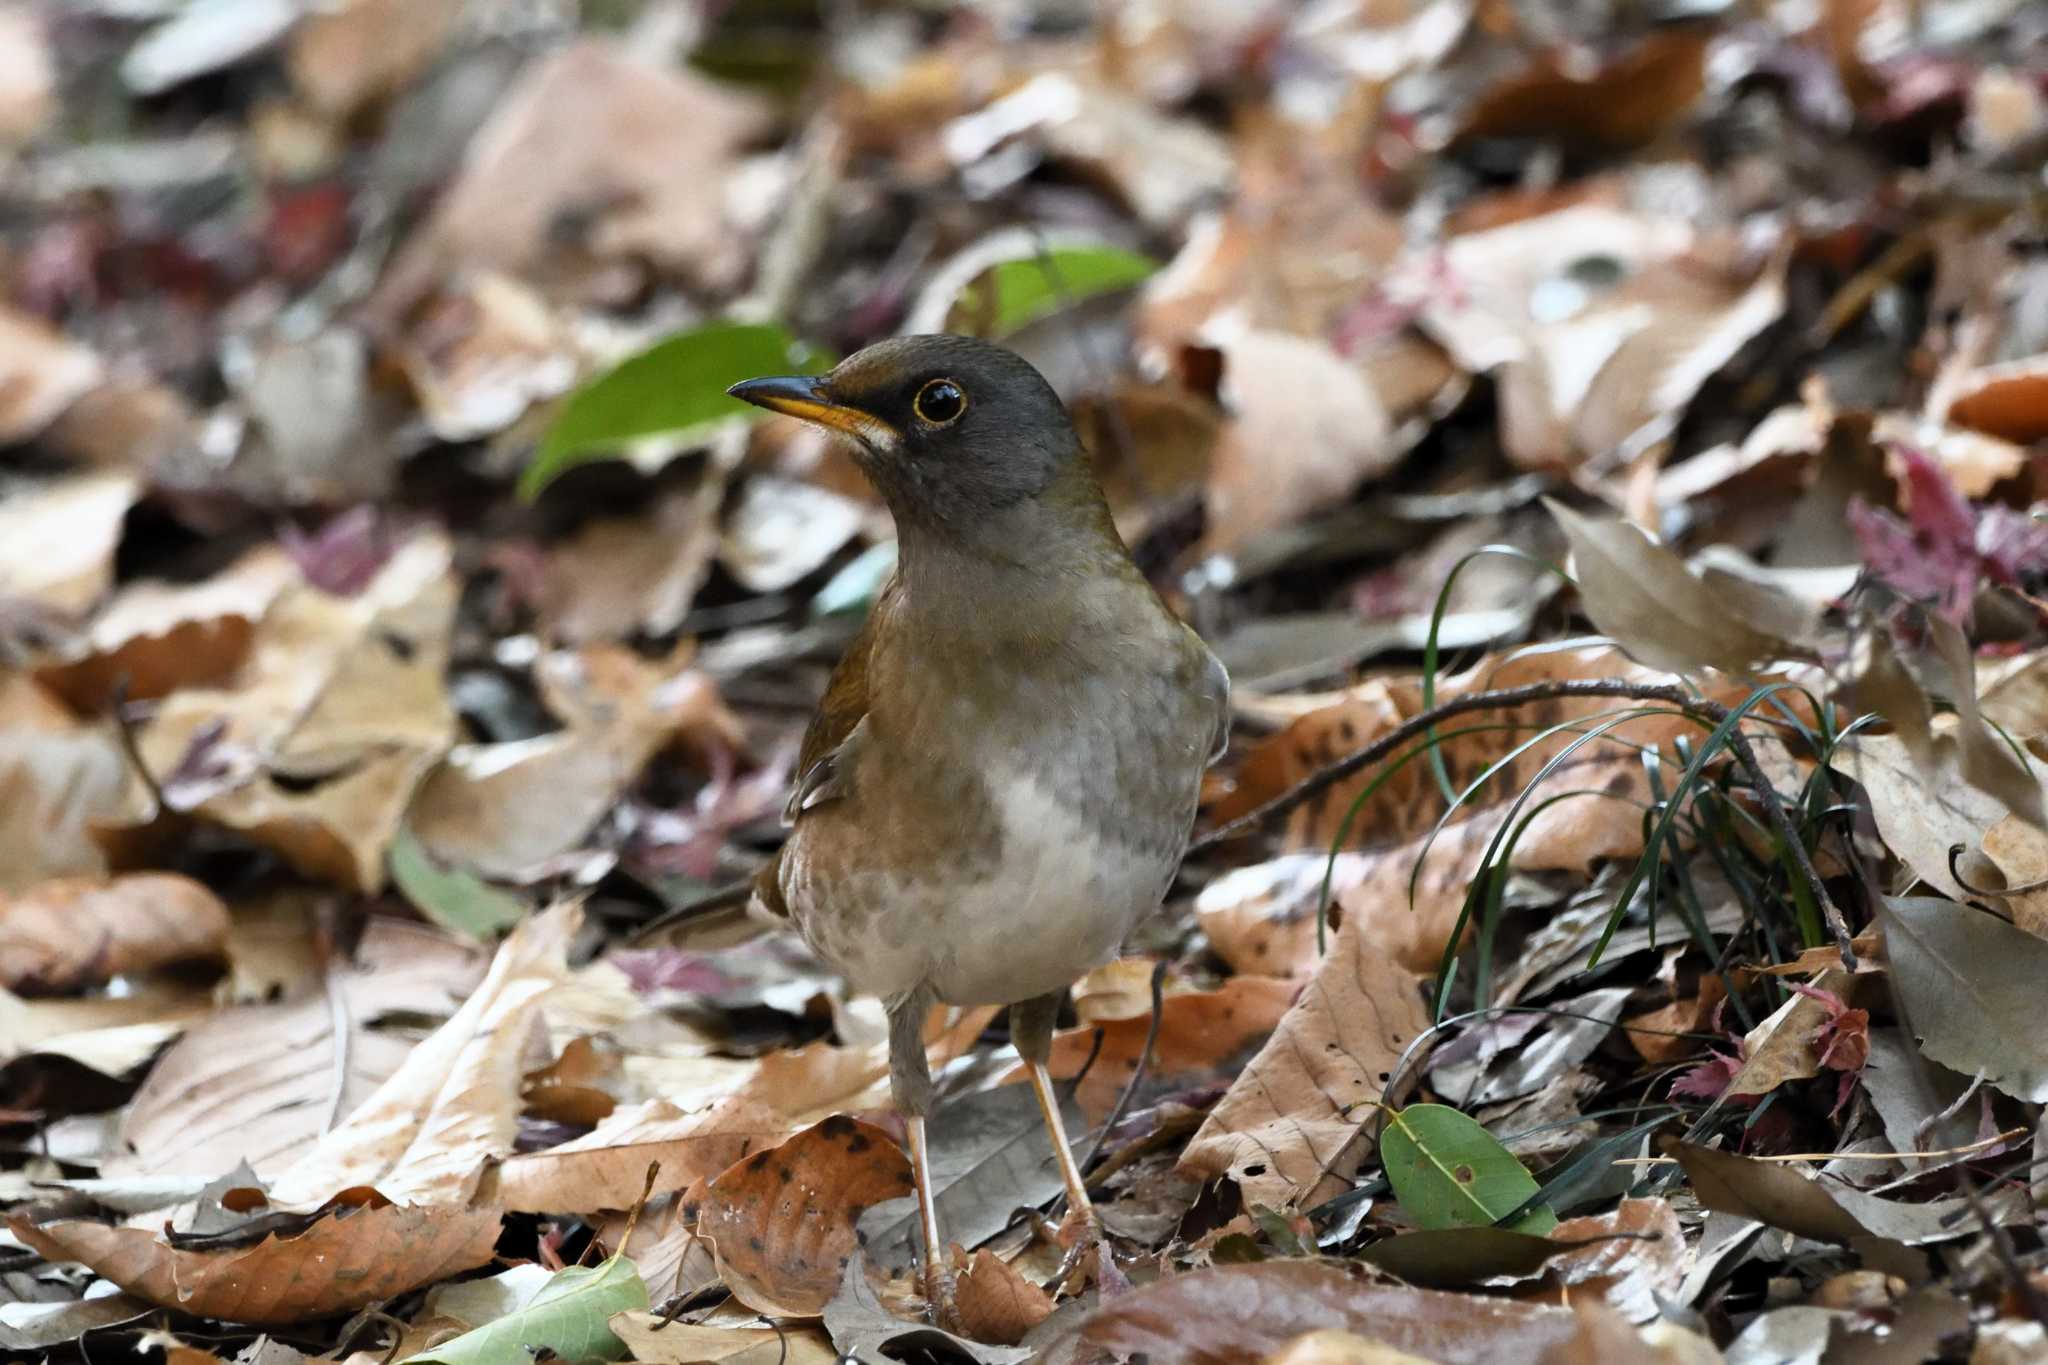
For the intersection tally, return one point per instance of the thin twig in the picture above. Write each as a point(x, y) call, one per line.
point(1979, 1145)
point(1123, 1101)
point(130, 749)
point(338, 1023)
point(1706, 712)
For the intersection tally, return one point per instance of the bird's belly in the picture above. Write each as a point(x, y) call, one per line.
point(1055, 900)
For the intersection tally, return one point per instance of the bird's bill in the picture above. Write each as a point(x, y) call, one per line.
point(806, 397)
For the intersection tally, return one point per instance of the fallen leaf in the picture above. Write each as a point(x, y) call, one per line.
point(344, 1261)
point(159, 637)
point(1963, 978)
point(863, 1329)
point(1622, 102)
point(1297, 1121)
point(2021, 852)
point(996, 1303)
point(664, 1341)
point(820, 1079)
point(316, 744)
point(1242, 1312)
point(1922, 817)
point(457, 900)
point(782, 531)
point(1447, 1170)
point(1635, 1257)
point(2005, 400)
point(503, 810)
point(63, 934)
point(41, 373)
point(57, 785)
point(347, 56)
point(61, 537)
point(568, 1317)
point(1456, 1256)
point(453, 1104)
point(606, 1168)
point(1782, 1196)
point(482, 350)
point(28, 78)
point(1116, 990)
point(262, 1083)
point(781, 1222)
point(1262, 918)
point(1638, 593)
point(1304, 429)
point(631, 170)
point(113, 1035)
point(1329, 1346)
point(1201, 1035)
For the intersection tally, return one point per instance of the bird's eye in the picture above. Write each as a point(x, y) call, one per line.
point(940, 403)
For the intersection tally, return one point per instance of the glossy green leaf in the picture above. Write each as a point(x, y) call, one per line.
point(1039, 286)
point(570, 1317)
point(1448, 1172)
point(453, 897)
point(675, 389)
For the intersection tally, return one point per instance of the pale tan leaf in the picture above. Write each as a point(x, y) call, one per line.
point(344, 1261)
point(996, 1302)
point(56, 786)
point(261, 1083)
point(606, 1168)
point(2021, 852)
point(57, 539)
point(113, 1035)
point(343, 57)
point(659, 1341)
point(41, 374)
point(71, 932)
point(453, 1105)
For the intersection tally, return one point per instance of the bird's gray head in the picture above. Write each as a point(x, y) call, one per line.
point(950, 429)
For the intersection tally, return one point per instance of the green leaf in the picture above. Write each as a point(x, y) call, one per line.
point(1039, 286)
point(1449, 1172)
point(854, 588)
point(674, 389)
point(570, 1316)
point(452, 897)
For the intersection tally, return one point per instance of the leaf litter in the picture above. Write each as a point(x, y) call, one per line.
point(396, 620)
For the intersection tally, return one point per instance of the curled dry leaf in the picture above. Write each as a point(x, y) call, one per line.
point(632, 170)
point(315, 745)
point(59, 781)
point(63, 934)
point(781, 1222)
point(1599, 321)
point(453, 1105)
point(655, 1340)
point(1922, 812)
point(1782, 1196)
point(2008, 400)
point(1306, 427)
point(41, 374)
point(503, 810)
point(1262, 919)
point(59, 540)
point(1237, 1313)
point(996, 1303)
point(481, 351)
point(1964, 977)
point(620, 576)
point(2020, 851)
point(261, 1083)
point(606, 1168)
point(344, 1261)
point(158, 637)
point(1634, 1257)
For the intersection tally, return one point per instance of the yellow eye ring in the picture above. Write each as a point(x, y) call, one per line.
point(940, 403)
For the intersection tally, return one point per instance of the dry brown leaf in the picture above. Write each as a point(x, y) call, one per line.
point(481, 351)
point(781, 1222)
point(1162, 167)
point(28, 77)
point(1604, 1335)
point(1261, 919)
point(1297, 1121)
point(1201, 1034)
point(810, 1083)
point(2009, 401)
point(261, 1083)
point(1781, 1046)
point(1116, 990)
point(655, 1340)
point(1636, 1255)
point(1305, 428)
point(636, 170)
point(342, 1262)
point(1922, 817)
point(1643, 597)
point(112, 1035)
point(1651, 1033)
point(619, 576)
point(315, 746)
point(1329, 1346)
point(996, 1303)
point(606, 1168)
point(453, 1104)
point(41, 374)
point(1623, 102)
point(1230, 1314)
point(59, 538)
point(2021, 852)
point(58, 783)
point(504, 810)
point(159, 637)
point(63, 934)
point(344, 57)
point(1599, 321)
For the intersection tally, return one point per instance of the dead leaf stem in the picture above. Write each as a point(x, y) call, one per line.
point(1709, 713)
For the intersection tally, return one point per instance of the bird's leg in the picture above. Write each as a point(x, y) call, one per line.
point(1031, 1023)
point(910, 1081)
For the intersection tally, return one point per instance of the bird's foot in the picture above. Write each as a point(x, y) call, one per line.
point(1088, 1254)
point(940, 1293)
